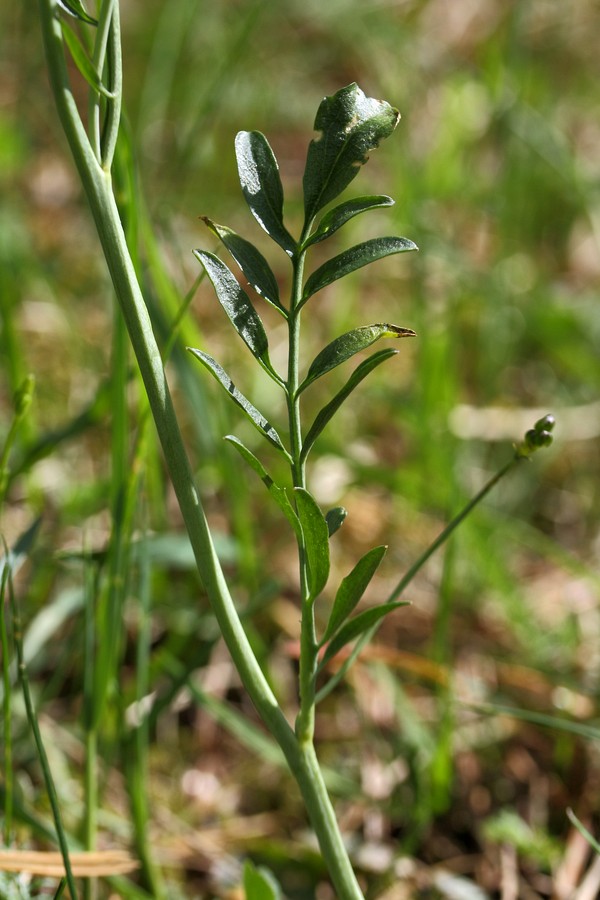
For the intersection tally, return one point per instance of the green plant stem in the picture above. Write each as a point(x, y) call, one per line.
point(7, 710)
point(452, 526)
point(305, 722)
point(41, 751)
point(97, 185)
point(91, 803)
point(90, 823)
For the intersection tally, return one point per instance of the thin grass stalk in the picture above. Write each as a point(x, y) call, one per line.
point(60, 889)
point(441, 652)
point(406, 579)
point(6, 711)
point(136, 748)
point(90, 823)
point(33, 724)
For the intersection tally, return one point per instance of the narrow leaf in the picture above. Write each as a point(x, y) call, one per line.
point(341, 214)
point(351, 590)
point(353, 259)
point(237, 305)
point(349, 125)
point(251, 261)
point(259, 883)
point(356, 626)
point(349, 344)
point(335, 518)
point(316, 540)
point(332, 407)
point(82, 60)
point(261, 186)
point(75, 8)
point(257, 419)
point(277, 493)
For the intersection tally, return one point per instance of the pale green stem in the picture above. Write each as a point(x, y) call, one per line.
point(97, 184)
point(104, 46)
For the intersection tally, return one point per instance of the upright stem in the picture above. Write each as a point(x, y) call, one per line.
point(305, 722)
point(96, 181)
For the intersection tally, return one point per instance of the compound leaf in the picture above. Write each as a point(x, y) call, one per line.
point(347, 345)
point(261, 186)
point(330, 409)
point(251, 261)
point(341, 214)
point(257, 418)
point(351, 590)
point(349, 125)
point(278, 493)
point(316, 540)
point(353, 259)
point(356, 626)
point(236, 303)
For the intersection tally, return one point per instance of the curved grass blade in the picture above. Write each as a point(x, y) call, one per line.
point(257, 418)
point(261, 186)
point(353, 259)
point(350, 124)
point(349, 344)
point(356, 626)
point(341, 214)
point(75, 8)
point(351, 590)
point(316, 540)
point(278, 493)
point(252, 263)
point(83, 62)
point(236, 303)
point(328, 411)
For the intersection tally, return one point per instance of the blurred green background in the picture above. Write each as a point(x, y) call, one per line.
point(494, 169)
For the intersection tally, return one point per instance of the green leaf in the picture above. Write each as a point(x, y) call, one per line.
point(259, 883)
point(82, 61)
point(261, 185)
point(75, 8)
point(335, 518)
point(341, 214)
point(278, 493)
point(316, 540)
point(328, 411)
point(347, 345)
point(351, 590)
point(252, 263)
point(237, 305)
point(356, 626)
point(349, 125)
point(257, 419)
point(353, 259)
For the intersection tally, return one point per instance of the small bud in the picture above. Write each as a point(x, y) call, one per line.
point(546, 423)
point(538, 436)
point(335, 519)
